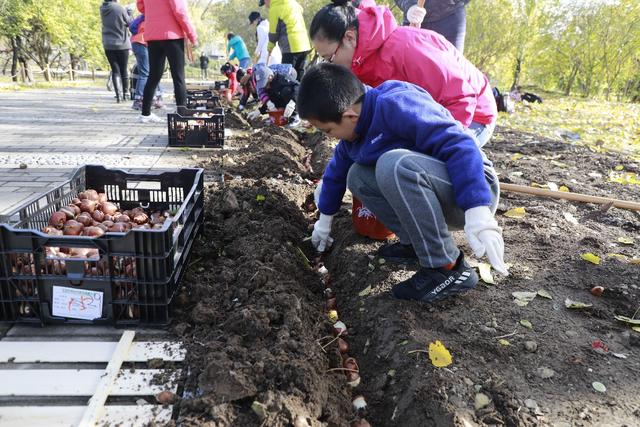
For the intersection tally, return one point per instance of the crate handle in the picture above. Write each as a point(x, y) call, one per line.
point(144, 205)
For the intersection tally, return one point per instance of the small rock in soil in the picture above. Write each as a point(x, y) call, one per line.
point(545, 373)
point(530, 403)
point(531, 346)
point(481, 401)
point(229, 203)
point(23, 165)
point(300, 421)
point(155, 363)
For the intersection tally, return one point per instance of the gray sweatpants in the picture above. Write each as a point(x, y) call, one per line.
point(412, 195)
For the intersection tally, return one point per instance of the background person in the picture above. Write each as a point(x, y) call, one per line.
point(116, 44)
point(204, 66)
point(446, 17)
point(262, 38)
point(287, 28)
point(238, 50)
point(167, 24)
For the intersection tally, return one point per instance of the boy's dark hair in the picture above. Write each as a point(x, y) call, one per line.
point(327, 91)
point(333, 20)
point(230, 36)
point(253, 16)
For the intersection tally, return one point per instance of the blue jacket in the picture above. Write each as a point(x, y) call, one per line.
point(239, 48)
point(402, 115)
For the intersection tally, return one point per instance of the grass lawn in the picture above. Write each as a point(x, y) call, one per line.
point(598, 124)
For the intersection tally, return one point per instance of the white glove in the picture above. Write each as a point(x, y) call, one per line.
point(253, 115)
point(240, 107)
point(317, 192)
point(321, 229)
point(415, 15)
point(271, 106)
point(485, 236)
point(289, 109)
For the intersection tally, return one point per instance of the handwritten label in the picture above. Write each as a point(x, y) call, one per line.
point(76, 303)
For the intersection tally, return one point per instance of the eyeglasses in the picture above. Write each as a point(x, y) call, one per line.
point(333, 57)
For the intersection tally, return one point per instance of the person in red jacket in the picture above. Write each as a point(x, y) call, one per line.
point(167, 24)
point(368, 40)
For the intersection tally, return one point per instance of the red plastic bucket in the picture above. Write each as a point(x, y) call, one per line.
point(366, 224)
point(277, 117)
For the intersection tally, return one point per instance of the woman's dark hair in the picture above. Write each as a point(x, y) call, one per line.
point(333, 20)
point(230, 36)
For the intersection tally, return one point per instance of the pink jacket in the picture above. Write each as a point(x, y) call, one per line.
point(166, 20)
point(424, 58)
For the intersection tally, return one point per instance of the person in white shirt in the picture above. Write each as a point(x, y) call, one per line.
point(262, 35)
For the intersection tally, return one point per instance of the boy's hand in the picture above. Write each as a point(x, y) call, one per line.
point(485, 236)
point(253, 115)
point(321, 230)
point(271, 106)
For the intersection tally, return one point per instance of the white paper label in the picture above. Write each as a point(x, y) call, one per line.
point(76, 303)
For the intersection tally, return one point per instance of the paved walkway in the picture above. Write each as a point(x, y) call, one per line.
point(53, 131)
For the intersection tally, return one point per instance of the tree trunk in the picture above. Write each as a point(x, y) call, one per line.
point(571, 79)
point(14, 60)
point(516, 73)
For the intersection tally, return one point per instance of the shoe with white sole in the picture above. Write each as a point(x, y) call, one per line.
point(151, 118)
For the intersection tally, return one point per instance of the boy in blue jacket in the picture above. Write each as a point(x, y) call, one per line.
point(414, 166)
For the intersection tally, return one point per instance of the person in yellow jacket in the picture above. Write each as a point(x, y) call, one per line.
point(287, 28)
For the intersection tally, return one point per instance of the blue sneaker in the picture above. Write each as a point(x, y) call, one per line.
point(435, 284)
point(398, 253)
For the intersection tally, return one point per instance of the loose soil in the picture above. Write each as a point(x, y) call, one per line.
point(252, 309)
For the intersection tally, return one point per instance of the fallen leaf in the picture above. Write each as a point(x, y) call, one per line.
point(515, 213)
point(516, 173)
point(366, 291)
point(473, 263)
point(544, 294)
point(517, 156)
point(619, 257)
point(523, 298)
point(619, 168)
point(439, 355)
point(536, 185)
point(526, 324)
point(564, 189)
point(619, 355)
point(599, 347)
point(405, 342)
point(626, 240)
point(504, 342)
point(634, 261)
point(260, 198)
point(570, 218)
point(628, 320)
point(598, 386)
point(636, 328)
point(569, 303)
point(545, 373)
point(593, 259)
point(333, 316)
point(485, 273)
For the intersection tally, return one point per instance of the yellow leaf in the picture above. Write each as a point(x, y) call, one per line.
point(564, 188)
point(544, 294)
point(636, 328)
point(260, 198)
point(536, 185)
point(593, 259)
point(517, 157)
point(439, 355)
point(569, 303)
point(504, 342)
point(619, 257)
point(625, 319)
point(634, 261)
point(485, 273)
point(333, 316)
point(526, 324)
point(559, 164)
point(626, 240)
point(619, 167)
point(366, 291)
point(515, 213)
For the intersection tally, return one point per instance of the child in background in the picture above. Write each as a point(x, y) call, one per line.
point(229, 71)
point(414, 166)
point(248, 86)
point(277, 88)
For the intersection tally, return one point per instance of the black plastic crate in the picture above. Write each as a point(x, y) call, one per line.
point(202, 99)
point(196, 128)
point(221, 84)
point(134, 275)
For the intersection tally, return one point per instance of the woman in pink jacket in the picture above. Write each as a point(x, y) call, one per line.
point(368, 40)
point(167, 24)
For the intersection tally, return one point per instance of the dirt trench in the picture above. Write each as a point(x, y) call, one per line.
point(252, 310)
